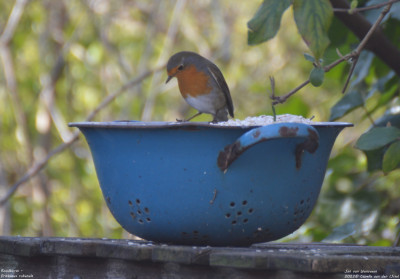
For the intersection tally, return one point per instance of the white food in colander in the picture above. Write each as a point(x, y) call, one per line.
point(265, 120)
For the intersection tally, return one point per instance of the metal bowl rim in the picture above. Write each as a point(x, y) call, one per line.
point(132, 124)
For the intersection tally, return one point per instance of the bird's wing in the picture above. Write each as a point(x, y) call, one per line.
point(219, 78)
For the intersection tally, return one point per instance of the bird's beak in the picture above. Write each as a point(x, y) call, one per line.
point(169, 78)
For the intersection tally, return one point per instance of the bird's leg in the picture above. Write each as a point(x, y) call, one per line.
point(220, 116)
point(190, 118)
point(197, 114)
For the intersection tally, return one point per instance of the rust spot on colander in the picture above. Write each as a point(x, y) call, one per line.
point(256, 134)
point(310, 145)
point(228, 155)
point(232, 151)
point(288, 132)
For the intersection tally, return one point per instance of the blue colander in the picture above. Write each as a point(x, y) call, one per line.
point(203, 184)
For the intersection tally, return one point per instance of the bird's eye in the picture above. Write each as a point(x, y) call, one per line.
point(180, 68)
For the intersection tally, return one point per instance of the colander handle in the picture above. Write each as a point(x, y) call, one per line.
point(279, 130)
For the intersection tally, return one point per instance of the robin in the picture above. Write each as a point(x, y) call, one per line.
point(201, 84)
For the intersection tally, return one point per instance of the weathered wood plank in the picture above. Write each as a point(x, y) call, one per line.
point(111, 258)
point(181, 254)
point(131, 250)
point(20, 246)
point(327, 248)
point(309, 258)
point(260, 260)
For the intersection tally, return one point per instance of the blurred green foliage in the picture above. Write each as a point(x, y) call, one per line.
point(68, 56)
point(381, 142)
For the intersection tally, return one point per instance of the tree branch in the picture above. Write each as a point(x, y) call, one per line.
point(373, 33)
point(363, 9)
point(39, 165)
point(353, 66)
point(378, 43)
point(282, 99)
point(364, 42)
point(168, 44)
point(12, 22)
point(9, 73)
point(101, 31)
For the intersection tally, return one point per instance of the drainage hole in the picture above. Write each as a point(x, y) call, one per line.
point(133, 215)
point(302, 201)
point(244, 202)
point(232, 204)
point(245, 221)
point(227, 215)
point(139, 212)
point(140, 221)
point(146, 210)
point(251, 210)
point(239, 213)
point(137, 201)
point(148, 219)
point(234, 222)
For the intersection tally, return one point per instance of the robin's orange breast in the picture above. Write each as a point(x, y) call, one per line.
point(193, 82)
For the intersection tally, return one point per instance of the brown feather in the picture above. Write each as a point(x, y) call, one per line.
point(219, 78)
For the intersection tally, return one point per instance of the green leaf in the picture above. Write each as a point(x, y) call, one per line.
point(363, 66)
point(265, 23)
point(313, 19)
point(377, 137)
point(349, 102)
point(374, 159)
point(394, 120)
point(309, 57)
point(353, 4)
point(317, 76)
point(395, 11)
point(343, 39)
point(391, 159)
point(385, 83)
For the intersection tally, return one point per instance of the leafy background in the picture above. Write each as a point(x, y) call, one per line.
point(65, 57)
